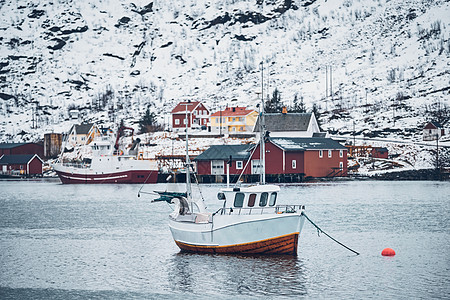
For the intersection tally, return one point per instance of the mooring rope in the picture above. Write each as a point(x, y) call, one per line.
point(320, 230)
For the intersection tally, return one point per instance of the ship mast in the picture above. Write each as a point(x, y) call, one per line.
point(188, 162)
point(262, 135)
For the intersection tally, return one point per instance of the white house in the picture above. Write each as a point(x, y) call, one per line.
point(433, 131)
point(289, 124)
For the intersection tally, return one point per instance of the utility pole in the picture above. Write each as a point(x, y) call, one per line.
point(354, 133)
point(331, 82)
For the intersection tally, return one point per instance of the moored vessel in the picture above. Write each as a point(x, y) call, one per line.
point(249, 222)
point(109, 164)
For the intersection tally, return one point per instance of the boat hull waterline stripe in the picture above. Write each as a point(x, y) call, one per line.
point(286, 244)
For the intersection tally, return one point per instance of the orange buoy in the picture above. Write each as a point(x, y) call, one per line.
point(388, 252)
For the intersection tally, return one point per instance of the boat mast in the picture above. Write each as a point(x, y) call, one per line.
point(188, 163)
point(262, 132)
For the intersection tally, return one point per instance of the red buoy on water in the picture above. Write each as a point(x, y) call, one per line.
point(388, 252)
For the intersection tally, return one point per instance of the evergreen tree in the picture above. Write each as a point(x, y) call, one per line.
point(298, 107)
point(148, 122)
point(274, 104)
point(316, 112)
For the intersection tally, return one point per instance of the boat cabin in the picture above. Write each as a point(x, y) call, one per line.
point(250, 197)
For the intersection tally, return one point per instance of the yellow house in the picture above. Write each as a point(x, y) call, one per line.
point(82, 134)
point(233, 120)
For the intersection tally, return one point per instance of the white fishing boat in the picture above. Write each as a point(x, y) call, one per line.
point(109, 164)
point(249, 222)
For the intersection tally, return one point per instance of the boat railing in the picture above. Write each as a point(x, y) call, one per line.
point(279, 209)
point(77, 165)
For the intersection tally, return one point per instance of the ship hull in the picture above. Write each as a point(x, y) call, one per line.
point(250, 234)
point(130, 176)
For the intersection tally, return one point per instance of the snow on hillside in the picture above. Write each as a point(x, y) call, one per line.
point(111, 59)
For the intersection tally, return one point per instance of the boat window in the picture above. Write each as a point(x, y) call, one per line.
point(263, 199)
point(251, 200)
point(221, 196)
point(239, 200)
point(273, 199)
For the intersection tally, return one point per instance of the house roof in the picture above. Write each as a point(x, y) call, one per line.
point(303, 144)
point(432, 125)
point(223, 152)
point(276, 122)
point(10, 145)
point(83, 128)
point(17, 159)
point(181, 107)
point(233, 111)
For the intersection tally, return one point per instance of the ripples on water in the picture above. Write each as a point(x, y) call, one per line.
point(75, 241)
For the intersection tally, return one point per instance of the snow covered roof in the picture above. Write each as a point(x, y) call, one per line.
point(276, 122)
point(83, 128)
point(223, 152)
point(10, 145)
point(18, 159)
point(181, 107)
point(302, 144)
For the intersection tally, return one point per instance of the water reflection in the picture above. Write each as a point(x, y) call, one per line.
point(237, 274)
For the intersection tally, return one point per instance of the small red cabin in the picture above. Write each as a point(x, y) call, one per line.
point(380, 152)
point(21, 164)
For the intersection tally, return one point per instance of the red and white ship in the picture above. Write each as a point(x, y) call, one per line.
point(109, 164)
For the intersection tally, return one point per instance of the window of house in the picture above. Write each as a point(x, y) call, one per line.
point(251, 200)
point(294, 164)
point(185, 121)
point(239, 199)
point(242, 128)
point(263, 199)
point(320, 153)
point(21, 167)
point(217, 120)
point(239, 164)
point(177, 122)
point(341, 165)
point(273, 199)
point(341, 153)
point(329, 153)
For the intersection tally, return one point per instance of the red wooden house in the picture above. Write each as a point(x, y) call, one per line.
point(21, 164)
point(310, 157)
point(197, 115)
point(21, 148)
point(285, 157)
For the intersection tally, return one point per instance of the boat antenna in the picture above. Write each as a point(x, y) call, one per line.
point(262, 131)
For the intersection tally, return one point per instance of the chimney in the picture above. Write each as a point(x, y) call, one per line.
point(284, 111)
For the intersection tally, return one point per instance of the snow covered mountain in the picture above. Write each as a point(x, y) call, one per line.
point(381, 67)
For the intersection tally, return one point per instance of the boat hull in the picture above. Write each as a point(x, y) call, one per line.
point(250, 234)
point(130, 176)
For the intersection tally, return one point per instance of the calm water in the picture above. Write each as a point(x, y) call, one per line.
point(76, 241)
